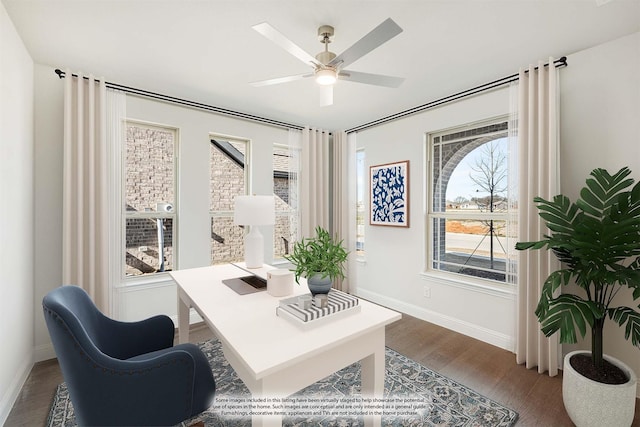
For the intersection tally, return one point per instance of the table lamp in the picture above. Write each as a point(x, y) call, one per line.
point(254, 211)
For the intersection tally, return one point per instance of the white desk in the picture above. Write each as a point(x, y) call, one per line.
point(274, 357)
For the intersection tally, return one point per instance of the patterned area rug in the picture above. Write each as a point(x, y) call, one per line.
point(414, 396)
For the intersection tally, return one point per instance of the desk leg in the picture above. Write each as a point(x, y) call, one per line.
point(183, 321)
point(266, 421)
point(372, 378)
point(266, 388)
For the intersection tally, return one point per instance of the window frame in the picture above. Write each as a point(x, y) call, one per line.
point(247, 178)
point(491, 286)
point(157, 276)
point(291, 212)
point(362, 254)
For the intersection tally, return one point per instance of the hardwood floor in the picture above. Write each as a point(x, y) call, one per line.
point(32, 406)
point(486, 369)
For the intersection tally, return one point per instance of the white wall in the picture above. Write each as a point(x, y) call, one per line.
point(600, 127)
point(133, 302)
point(194, 232)
point(16, 215)
point(395, 257)
point(48, 197)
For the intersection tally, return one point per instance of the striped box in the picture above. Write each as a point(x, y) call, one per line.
point(337, 302)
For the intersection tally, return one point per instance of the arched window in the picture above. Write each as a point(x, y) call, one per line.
point(468, 201)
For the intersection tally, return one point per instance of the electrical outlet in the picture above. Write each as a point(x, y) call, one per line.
point(426, 292)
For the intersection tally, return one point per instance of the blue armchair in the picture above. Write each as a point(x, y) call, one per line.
point(120, 373)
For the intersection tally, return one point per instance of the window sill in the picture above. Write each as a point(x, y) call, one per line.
point(151, 280)
point(480, 286)
point(281, 263)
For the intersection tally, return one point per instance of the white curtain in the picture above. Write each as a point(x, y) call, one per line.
point(295, 147)
point(538, 175)
point(314, 181)
point(344, 198)
point(116, 142)
point(86, 213)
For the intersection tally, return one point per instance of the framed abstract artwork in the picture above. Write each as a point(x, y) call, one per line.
point(389, 194)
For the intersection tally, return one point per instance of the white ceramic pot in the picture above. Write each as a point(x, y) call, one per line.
point(593, 404)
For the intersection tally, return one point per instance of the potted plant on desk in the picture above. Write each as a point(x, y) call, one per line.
point(597, 239)
point(320, 259)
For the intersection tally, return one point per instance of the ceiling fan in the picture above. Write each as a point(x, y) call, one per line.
point(327, 67)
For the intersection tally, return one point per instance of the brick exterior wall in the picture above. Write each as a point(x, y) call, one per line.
point(150, 180)
point(143, 255)
point(226, 182)
point(284, 233)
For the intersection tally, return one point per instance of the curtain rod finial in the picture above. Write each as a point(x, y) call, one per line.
point(60, 73)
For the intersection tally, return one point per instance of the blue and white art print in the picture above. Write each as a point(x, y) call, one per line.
point(390, 194)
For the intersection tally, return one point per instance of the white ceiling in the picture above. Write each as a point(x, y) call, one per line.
point(206, 51)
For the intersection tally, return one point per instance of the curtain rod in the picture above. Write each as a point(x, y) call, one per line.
point(187, 103)
point(562, 62)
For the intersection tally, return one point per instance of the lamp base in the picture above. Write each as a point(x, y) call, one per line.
point(254, 248)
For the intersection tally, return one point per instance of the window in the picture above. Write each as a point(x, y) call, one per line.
point(467, 212)
point(150, 194)
point(361, 211)
point(285, 189)
point(228, 177)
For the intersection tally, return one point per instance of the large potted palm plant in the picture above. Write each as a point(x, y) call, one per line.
point(597, 240)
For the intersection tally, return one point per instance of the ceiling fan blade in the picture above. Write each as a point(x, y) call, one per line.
point(379, 35)
point(279, 80)
point(370, 79)
point(281, 40)
point(326, 95)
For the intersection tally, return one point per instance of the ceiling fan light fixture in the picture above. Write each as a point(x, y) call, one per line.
point(327, 67)
point(326, 77)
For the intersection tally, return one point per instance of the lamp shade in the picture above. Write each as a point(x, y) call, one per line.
point(254, 210)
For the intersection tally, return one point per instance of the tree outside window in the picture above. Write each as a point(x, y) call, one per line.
point(468, 208)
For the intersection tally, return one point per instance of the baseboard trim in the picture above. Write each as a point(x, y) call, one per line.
point(13, 391)
point(44, 352)
point(194, 317)
point(483, 334)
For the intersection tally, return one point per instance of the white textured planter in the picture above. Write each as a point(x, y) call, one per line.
point(593, 404)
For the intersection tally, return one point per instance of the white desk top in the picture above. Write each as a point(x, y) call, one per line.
point(248, 325)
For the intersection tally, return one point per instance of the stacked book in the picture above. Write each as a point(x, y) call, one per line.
point(338, 302)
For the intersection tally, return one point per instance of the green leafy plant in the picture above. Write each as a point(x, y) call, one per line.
point(597, 239)
point(320, 254)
